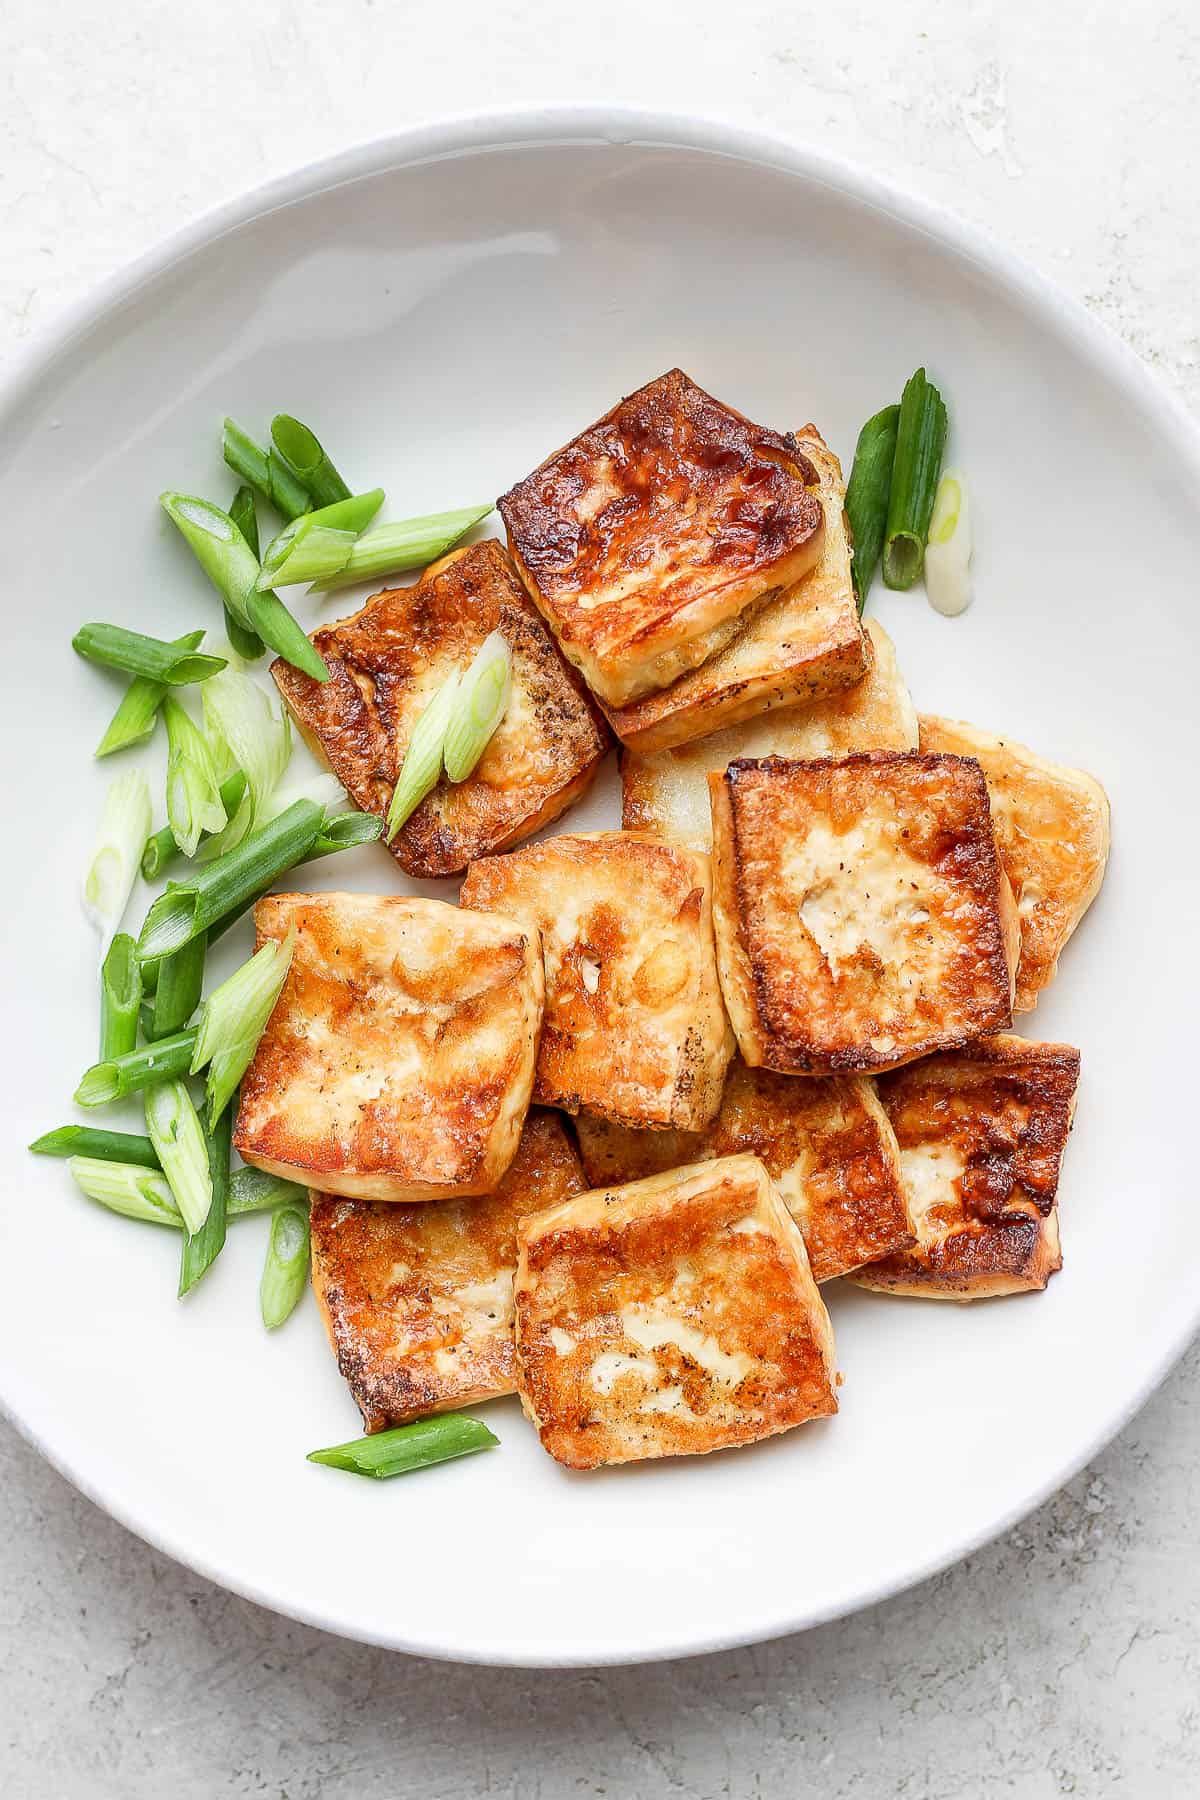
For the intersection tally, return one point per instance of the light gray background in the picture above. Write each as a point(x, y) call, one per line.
point(1064, 1659)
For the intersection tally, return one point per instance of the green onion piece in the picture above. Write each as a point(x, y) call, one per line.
point(112, 871)
point(277, 628)
point(112, 1080)
point(948, 552)
point(353, 516)
point(481, 702)
point(407, 544)
point(302, 453)
point(920, 445)
point(162, 851)
point(228, 885)
point(202, 1248)
point(233, 1019)
point(320, 552)
point(422, 765)
point(285, 1271)
point(193, 791)
point(178, 1136)
point(255, 1191)
point(247, 643)
point(120, 997)
point(405, 1447)
point(103, 1146)
point(264, 472)
point(126, 1188)
point(345, 832)
point(178, 990)
point(867, 496)
point(240, 720)
point(148, 657)
point(134, 719)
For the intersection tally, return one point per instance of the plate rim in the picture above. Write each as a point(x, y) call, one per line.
point(450, 136)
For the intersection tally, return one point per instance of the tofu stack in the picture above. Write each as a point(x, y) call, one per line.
point(600, 1133)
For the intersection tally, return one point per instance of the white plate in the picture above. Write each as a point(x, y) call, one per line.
point(448, 307)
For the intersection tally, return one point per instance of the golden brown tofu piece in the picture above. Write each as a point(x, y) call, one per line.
point(804, 645)
point(825, 1143)
point(398, 1062)
point(665, 792)
point(385, 664)
point(417, 1300)
point(669, 1318)
point(634, 1028)
point(644, 538)
point(981, 1136)
point(862, 915)
point(1052, 832)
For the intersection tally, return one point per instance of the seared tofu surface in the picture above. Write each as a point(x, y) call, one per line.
point(1052, 831)
point(643, 539)
point(634, 1026)
point(803, 645)
point(670, 1317)
point(863, 918)
point(665, 792)
point(398, 1062)
point(385, 665)
point(825, 1142)
point(417, 1300)
point(981, 1137)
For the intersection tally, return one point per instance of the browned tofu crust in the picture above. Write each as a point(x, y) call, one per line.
point(417, 1300)
point(671, 1317)
point(863, 919)
point(644, 538)
point(634, 1025)
point(981, 1137)
point(385, 664)
point(826, 1143)
point(399, 1059)
point(802, 646)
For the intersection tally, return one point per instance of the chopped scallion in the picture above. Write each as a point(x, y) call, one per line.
point(178, 989)
point(134, 720)
point(161, 849)
point(405, 1447)
point(240, 719)
point(867, 494)
point(120, 997)
point(112, 871)
point(112, 1080)
point(233, 1017)
point(151, 658)
point(193, 790)
point(202, 1248)
point(264, 472)
point(948, 552)
point(285, 1270)
point(479, 706)
point(422, 764)
point(920, 445)
point(247, 643)
point(303, 454)
point(406, 544)
point(177, 1134)
point(289, 556)
point(104, 1146)
point(127, 1188)
point(255, 1191)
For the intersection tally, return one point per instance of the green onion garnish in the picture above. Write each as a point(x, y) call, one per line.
point(174, 665)
point(112, 871)
point(202, 1248)
point(247, 643)
point(422, 766)
point(405, 1447)
point(345, 832)
point(178, 1136)
point(134, 720)
point(920, 445)
point(177, 990)
point(479, 706)
point(241, 722)
point(290, 556)
point(254, 1191)
point(120, 997)
point(407, 544)
point(104, 1146)
point(301, 452)
point(126, 1188)
point(285, 1271)
point(113, 1079)
point(233, 1018)
point(161, 849)
point(264, 472)
point(193, 791)
point(867, 494)
point(948, 552)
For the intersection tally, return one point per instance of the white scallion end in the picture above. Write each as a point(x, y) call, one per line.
point(422, 765)
point(177, 1136)
point(125, 824)
point(245, 729)
point(948, 552)
point(127, 1188)
point(194, 803)
point(481, 703)
point(234, 1017)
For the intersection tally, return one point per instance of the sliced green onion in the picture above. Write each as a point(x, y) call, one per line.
point(240, 719)
point(920, 445)
point(112, 871)
point(481, 702)
point(405, 1447)
point(202, 1248)
point(255, 1191)
point(126, 1188)
point(120, 997)
point(247, 643)
point(104, 1146)
point(265, 473)
point(422, 765)
point(113, 1079)
point(407, 544)
point(148, 657)
point(222, 888)
point(285, 1271)
point(948, 552)
point(291, 550)
point(233, 1019)
point(193, 790)
point(867, 494)
point(178, 989)
point(177, 1134)
point(135, 718)
point(277, 628)
point(301, 451)
point(346, 832)
point(319, 553)
point(161, 849)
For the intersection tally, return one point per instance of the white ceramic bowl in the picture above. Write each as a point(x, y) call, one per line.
point(448, 306)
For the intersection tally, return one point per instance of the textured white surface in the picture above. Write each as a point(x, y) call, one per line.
point(1061, 1661)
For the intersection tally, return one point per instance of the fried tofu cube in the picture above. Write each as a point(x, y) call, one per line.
point(643, 539)
point(385, 664)
point(398, 1062)
point(981, 1136)
point(826, 1144)
point(417, 1300)
point(1052, 832)
point(802, 646)
point(862, 915)
point(669, 1318)
point(665, 792)
point(634, 1027)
